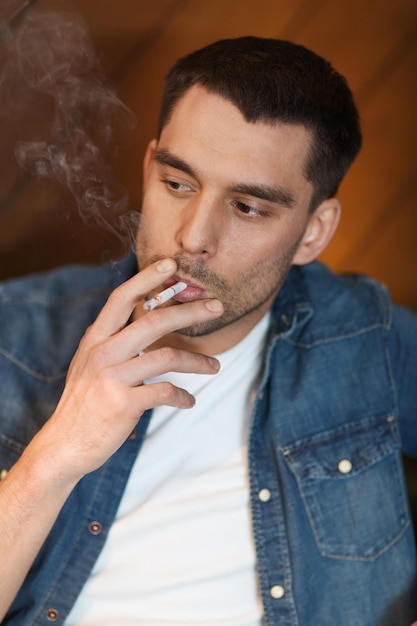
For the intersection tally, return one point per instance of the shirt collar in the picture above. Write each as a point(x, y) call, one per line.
point(292, 306)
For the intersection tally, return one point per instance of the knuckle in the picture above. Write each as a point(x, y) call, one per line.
point(167, 392)
point(86, 339)
point(112, 395)
point(116, 295)
point(98, 356)
point(168, 355)
point(118, 405)
point(153, 322)
point(153, 318)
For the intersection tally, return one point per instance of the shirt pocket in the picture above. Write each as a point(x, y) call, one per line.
point(351, 482)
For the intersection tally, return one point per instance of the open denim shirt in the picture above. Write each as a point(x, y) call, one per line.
point(335, 408)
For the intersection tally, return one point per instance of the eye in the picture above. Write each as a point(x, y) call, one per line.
point(175, 186)
point(246, 209)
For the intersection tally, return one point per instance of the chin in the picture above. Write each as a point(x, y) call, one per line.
point(199, 330)
point(211, 326)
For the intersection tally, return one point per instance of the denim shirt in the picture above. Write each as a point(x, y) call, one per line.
point(335, 408)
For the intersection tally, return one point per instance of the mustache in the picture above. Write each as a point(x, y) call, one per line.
point(197, 270)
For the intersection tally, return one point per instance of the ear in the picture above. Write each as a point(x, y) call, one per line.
point(148, 160)
point(319, 231)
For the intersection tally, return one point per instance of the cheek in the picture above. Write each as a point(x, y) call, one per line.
point(154, 224)
point(251, 256)
point(254, 273)
point(264, 268)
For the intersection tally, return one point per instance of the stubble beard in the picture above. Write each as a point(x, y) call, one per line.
point(249, 293)
point(248, 296)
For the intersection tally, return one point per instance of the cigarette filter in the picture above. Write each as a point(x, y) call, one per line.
point(164, 296)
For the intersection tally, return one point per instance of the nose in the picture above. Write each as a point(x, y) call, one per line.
point(200, 227)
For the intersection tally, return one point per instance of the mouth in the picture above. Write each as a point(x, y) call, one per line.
point(191, 293)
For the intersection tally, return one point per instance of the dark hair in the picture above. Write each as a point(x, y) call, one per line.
point(271, 80)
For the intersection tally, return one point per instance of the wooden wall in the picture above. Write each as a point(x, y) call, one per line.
point(372, 42)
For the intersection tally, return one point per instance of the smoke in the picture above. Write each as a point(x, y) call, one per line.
point(49, 61)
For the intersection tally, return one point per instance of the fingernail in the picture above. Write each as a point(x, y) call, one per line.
point(214, 306)
point(214, 363)
point(166, 265)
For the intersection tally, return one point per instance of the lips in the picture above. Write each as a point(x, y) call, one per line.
point(192, 292)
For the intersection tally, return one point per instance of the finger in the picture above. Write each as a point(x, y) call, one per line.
point(144, 331)
point(159, 362)
point(161, 394)
point(121, 302)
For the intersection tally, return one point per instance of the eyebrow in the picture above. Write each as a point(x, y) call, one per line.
point(164, 157)
point(271, 193)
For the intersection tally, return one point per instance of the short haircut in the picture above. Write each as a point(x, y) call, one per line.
point(271, 80)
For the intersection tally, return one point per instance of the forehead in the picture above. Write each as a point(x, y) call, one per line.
point(210, 129)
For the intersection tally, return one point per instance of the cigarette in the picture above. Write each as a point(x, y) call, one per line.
point(164, 296)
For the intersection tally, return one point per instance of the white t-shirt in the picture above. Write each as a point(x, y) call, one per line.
point(181, 552)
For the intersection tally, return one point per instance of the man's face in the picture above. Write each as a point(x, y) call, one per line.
point(228, 200)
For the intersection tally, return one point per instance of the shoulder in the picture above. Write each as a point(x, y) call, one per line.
point(65, 285)
point(347, 295)
point(336, 305)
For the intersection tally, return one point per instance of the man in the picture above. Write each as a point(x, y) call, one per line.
point(278, 497)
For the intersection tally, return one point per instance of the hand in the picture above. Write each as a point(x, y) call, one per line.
point(104, 397)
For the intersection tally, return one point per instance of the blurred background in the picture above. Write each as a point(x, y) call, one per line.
point(80, 84)
point(50, 55)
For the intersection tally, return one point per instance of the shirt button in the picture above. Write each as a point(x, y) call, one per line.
point(3, 473)
point(264, 495)
point(52, 615)
point(344, 466)
point(277, 592)
point(95, 528)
